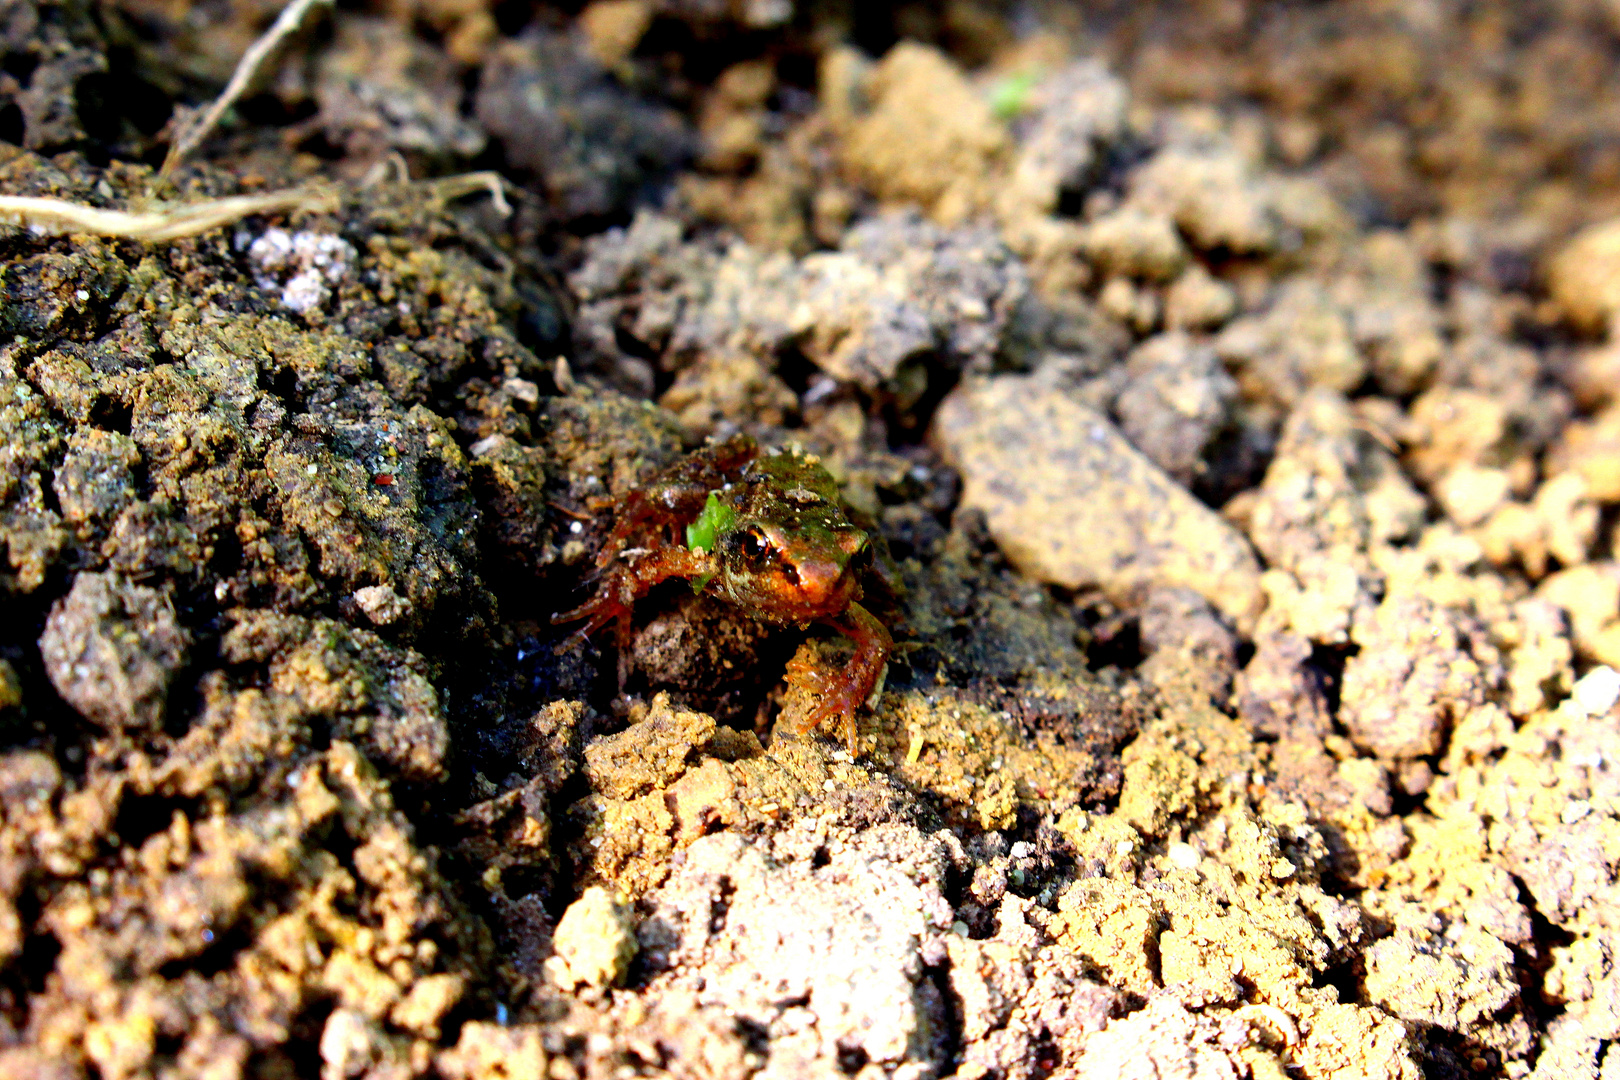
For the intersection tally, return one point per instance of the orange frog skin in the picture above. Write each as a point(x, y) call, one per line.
point(764, 531)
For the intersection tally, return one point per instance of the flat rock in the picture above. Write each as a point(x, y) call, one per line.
point(1072, 503)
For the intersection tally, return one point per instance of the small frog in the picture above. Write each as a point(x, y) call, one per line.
point(765, 531)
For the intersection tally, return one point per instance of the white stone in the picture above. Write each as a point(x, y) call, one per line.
point(1597, 691)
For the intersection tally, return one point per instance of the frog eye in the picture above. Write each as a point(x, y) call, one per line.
point(752, 544)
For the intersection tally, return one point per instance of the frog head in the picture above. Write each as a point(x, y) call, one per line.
point(793, 565)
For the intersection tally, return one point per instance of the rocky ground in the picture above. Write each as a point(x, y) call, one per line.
point(1231, 384)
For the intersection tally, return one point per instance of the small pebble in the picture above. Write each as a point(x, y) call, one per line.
point(381, 604)
point(1597, 690)
point(1574, 810)
point(1184, 855)
point(594, 941)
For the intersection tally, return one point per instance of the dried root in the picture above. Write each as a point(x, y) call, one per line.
point(179, 221)
point(189, 135)
point(161, 225)
point(446, 188)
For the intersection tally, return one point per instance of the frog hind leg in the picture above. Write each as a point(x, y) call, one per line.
point(851, 688)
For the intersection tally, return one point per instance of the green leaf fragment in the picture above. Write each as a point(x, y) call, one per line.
point(1010, 95)
point(705, 532)
point(716, 518)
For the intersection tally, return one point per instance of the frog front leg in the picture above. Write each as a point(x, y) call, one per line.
point(629, 580)
point(851, 688)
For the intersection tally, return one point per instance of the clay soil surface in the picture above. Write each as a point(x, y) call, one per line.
point(1230, 390)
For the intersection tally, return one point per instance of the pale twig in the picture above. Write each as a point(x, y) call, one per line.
point(454, 187)
point(390, 169)
point(157, 226)
point(191, 133)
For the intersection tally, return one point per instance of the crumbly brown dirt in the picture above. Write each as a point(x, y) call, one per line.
point(1231, 390)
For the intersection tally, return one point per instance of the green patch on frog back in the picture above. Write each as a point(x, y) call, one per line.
point(704, 533)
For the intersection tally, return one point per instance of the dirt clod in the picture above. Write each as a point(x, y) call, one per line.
point(111, 649)
point(1110, 518)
